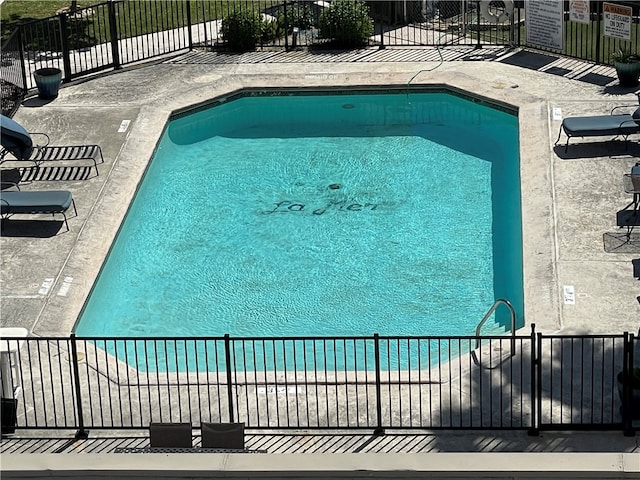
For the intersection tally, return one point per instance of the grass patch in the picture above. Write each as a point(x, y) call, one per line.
point(34, 9)
point(15, 12)
point(133, 17)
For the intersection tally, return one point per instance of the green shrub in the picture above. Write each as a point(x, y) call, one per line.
point(242, 30)
point(346, 22)
point(298, 16)
point(269, 30)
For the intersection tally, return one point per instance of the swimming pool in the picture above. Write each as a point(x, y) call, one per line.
point(303, 214)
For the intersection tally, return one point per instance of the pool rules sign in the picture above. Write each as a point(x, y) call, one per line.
point(617, 21)
point(544, 23)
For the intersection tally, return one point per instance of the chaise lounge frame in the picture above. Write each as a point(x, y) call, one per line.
point(36, 202)
point(42, 151)
point(616, 124)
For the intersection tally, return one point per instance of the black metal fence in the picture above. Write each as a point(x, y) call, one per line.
point(111, 34)
point(13, 77)
point(586, 41)
point(529, 382)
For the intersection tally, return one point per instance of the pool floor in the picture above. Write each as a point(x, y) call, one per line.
point(381, 228)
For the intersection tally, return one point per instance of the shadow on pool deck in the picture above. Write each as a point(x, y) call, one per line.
point(329, 442)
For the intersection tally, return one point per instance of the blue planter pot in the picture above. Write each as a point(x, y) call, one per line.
point(48, 81)
point(628, 73)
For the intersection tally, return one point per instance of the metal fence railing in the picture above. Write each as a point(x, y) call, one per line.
point(13, 77)
point(526, 382)
point(111, 34)
point(587, 41)
point(579, 378)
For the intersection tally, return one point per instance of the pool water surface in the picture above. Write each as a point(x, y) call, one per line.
point(319, 215)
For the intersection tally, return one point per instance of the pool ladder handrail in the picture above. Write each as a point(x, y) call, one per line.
point(512, 312)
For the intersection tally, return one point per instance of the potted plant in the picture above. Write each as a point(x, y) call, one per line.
point(627, 67)
point(635, 391)
point(48, 81)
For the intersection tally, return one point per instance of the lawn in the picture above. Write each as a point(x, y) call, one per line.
point(26, 10)
point(15, 12)
point(135, 17)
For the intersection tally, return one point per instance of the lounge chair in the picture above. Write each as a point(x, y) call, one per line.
point(14, 202)
point(18, 144)
point(616, 124)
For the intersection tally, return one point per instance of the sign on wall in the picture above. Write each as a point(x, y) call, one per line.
point(617, 21)
point(579, 11)
point(544, 22)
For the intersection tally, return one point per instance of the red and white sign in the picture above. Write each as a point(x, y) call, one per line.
point(617, 21)
point(579, 11)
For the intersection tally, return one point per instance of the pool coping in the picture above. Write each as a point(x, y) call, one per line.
point(359, 89)
point(533, 237)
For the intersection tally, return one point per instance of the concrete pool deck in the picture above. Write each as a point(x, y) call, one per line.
point(571, 202)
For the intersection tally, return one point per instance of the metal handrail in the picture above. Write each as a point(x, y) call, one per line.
point(512, 312)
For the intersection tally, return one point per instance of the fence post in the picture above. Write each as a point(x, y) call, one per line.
point(512, 31)
point(189, 33)
point(64, 42)
point(598, 23)
point(286, 29)
point(113, 33)
point(227, 357)
point(378, 430)
point(631, 379)
point(23, 67)
point(81, 433)
point(519, 30)
point(478, 44)
point(536, 396)
point(627, 390)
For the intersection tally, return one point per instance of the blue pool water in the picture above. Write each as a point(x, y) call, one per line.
point(319, 215)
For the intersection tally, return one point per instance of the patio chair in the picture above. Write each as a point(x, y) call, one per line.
point(36, 202)
point(228, 436)
point(616, 124)
point(170, 435)
point(18, 144)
